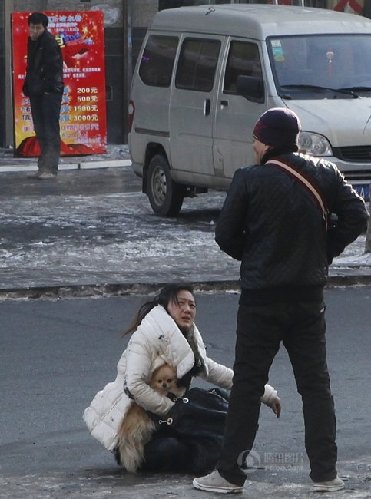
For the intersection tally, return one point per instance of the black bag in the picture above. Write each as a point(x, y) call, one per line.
point(198, 413)
point(197, 421)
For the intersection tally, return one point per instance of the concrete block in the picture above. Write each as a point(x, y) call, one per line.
point(110, 163)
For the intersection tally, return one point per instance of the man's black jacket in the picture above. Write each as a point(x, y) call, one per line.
point(271, 223)
point(44, 71)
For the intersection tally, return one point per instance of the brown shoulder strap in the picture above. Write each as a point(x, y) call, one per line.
point(305, 182)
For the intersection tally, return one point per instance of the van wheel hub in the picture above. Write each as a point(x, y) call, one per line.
point(165, 195)
point(159, 185)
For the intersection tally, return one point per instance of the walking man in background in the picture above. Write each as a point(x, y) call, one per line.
point(275, 221)
point(44, 86)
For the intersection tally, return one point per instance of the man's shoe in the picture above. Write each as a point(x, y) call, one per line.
point(214, 482)
point(329, 486)
point(46, 175)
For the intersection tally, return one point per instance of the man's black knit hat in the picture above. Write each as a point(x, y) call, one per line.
point(277, 127)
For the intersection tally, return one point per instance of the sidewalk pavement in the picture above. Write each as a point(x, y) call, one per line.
point(117, 156)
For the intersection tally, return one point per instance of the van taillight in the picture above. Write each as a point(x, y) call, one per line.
point(131, 111)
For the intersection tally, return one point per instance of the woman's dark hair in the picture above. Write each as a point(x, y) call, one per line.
point(168, 294)
point(38, 18)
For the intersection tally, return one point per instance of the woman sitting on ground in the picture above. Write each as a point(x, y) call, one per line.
point(164, 332)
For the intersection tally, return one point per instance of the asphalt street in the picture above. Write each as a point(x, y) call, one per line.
point(56, 354)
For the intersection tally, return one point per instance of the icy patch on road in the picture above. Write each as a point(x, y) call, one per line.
point(113, 237)
point(100, 482)
point(354, 255)
point(116, 238)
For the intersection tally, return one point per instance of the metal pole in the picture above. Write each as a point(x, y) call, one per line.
point(130, 43)
point(9, 116)
point(368, 233)
point(127, 28)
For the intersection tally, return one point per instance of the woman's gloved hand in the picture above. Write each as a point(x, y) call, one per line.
point(275, 405)
point(272, 400)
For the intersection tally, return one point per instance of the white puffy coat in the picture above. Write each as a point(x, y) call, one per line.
point(156, 341)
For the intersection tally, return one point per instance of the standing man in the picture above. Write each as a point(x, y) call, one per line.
point(275, 221)
point(44, 86)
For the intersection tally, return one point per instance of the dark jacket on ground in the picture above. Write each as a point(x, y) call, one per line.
point(44, 71)
point(271, 223)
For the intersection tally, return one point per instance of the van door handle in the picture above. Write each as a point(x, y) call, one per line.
point(224, 103)
point(207, 107)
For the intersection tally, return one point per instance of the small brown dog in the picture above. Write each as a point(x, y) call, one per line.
point(137, 427)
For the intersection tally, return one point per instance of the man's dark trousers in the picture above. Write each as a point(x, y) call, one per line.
point(301, 326)
point(45, 110)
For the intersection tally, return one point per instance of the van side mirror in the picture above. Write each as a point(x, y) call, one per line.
point(250, 87)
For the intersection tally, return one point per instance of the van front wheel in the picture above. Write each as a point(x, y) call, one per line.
point(165, 195)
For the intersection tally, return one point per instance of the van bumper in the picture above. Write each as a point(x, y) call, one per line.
point(356, 173)
point(137, 168)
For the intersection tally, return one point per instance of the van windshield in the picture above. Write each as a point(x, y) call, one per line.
point(321, 66)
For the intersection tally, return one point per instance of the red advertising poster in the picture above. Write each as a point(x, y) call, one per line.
point(83, 112)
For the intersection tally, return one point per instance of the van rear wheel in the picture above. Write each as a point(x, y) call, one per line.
point(165, 195)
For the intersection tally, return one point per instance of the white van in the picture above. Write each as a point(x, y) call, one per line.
point(205, 74)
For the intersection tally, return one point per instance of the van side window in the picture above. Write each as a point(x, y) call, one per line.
point(156, 65)
point(243, 59)
point(197, 64)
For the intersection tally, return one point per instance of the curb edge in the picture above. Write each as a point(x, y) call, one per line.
point(124, 289)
